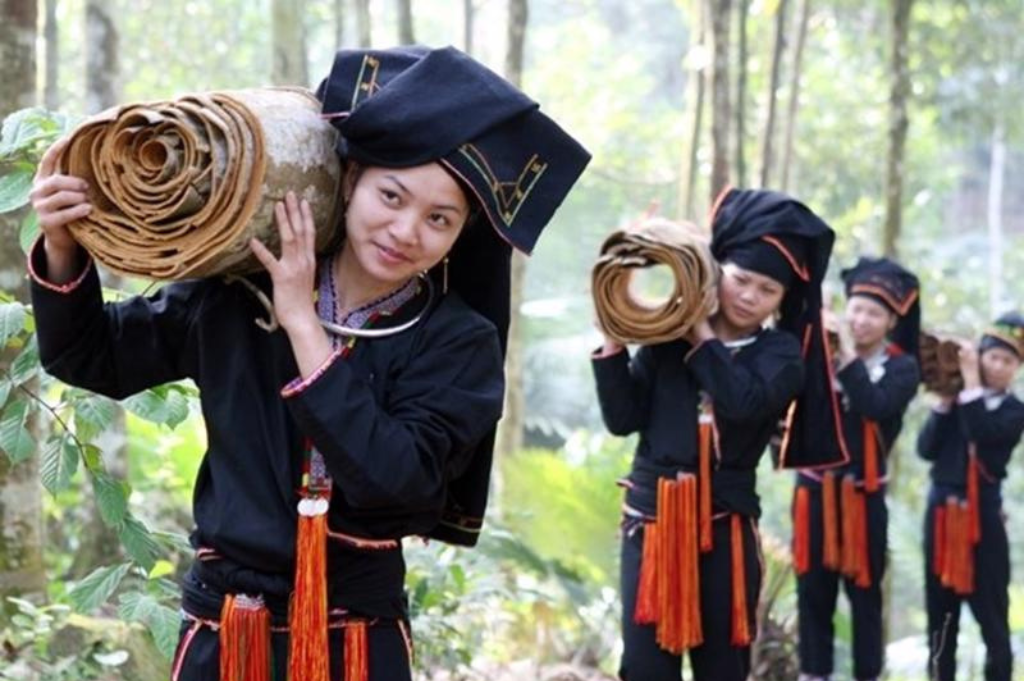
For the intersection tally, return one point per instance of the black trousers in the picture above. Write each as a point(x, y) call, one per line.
point(818, 591)
point(198, 654)
point(990, 602)
point(716, 659)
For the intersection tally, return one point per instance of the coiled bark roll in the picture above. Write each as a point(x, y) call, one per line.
point(680, 246)
point(179, 187)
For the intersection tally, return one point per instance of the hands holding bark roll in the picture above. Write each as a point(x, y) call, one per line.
point(683, 248)
point(941, 359)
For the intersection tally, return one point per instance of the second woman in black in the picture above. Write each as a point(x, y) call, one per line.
point(706, 407)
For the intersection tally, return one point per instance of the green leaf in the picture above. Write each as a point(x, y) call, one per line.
point(93, 414)
point(111, 497)
point(12, 321)
point(15, 439)
point(60, 461)
point(97, 587)
point(26, 365)
point(29, 232)
point(5, 391)
point(173, 541)
point(14, 188)
point(138, 542)
point(26, 127)
point(162, 621)
point(93, 458)
point(159, 405)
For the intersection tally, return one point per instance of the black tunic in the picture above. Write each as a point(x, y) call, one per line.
point(658, 394)
point(945, 437)
point(393, 421)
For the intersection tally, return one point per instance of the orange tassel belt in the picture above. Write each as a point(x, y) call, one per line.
point(845, 540)
point(956, 531)
point(244, 630)
point(668, 592)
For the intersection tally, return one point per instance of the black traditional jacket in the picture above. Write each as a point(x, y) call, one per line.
point(658, 394)
point(994, 428)
point(395, 421)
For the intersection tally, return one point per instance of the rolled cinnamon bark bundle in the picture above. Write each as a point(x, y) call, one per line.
point(684, 249)
point(940, 364)
point(179, 187)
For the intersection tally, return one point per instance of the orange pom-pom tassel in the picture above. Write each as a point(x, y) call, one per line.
point(870, 457)
point(830, 553)
point(646, 611)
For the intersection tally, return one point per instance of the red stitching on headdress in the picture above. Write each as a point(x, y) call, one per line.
point(901, 308)
point(801, 272)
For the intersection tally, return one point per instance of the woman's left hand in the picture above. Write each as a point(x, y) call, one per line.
point(970, 367)
point(294, 273)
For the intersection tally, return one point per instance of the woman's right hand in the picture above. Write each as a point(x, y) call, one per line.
point(58, 200)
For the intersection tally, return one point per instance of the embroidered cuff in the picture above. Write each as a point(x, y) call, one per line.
point(37, 269)
point(298, 384)
point(970, 395)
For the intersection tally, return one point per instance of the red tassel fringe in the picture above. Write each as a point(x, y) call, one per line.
point(244, 640)
point(740, 622)
point(357, 658)
point(706, 437)
point(802, 531)
point(668, 593)
point(870, 457)
point(308, 656)
point(830, 553)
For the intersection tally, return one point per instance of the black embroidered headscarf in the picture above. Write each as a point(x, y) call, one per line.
point(895, 287)
point(777, 235)
point(410, 106)
point(1007, 332)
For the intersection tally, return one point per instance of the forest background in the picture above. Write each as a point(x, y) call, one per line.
point(896, 120)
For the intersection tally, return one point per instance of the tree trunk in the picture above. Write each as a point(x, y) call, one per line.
point(289, 43)
point(996, 176)
point(102, 64)
point(51, 87)
point(695, 113)
point(768, 153)
point(406, 35)
point(468, 16)
point(898, 124)
point(21, 527)
point(741, 95)
point(794, 94)
point(363, 22)
point(339, 24)
point(720, 10)
point(510, 430)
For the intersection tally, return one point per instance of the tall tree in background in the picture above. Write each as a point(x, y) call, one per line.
point(696, 63)
point(51, 83)
point(510, 430)
point(719, 13)
point(363, 23)
point(794, 93)
point(899, 75)
point(406, 34)
point(741, 94)
point(768, 150)
point(468, 17)
point(21, 527)
point(339, 24)
point(289, 43)
point(102, 65)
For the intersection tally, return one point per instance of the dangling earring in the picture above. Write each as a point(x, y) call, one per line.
point(444, 276)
